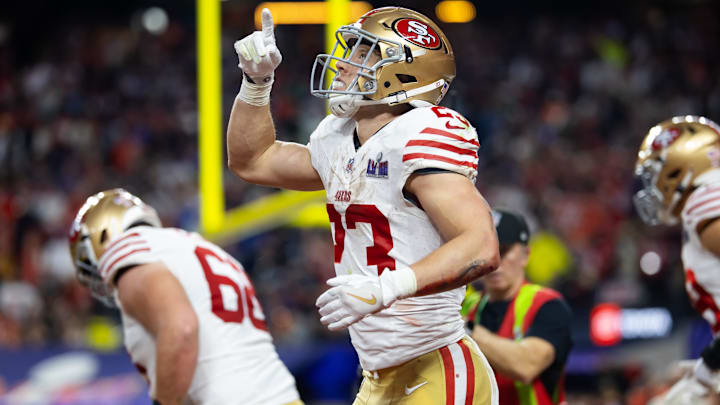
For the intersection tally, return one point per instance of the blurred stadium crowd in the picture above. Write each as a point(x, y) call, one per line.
point(561, 100)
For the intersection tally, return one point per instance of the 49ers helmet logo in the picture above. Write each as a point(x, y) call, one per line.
point(665, 138)
point(417, 32)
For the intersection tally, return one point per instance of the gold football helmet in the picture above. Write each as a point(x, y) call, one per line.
point(103, 217)
point(676, 156)
point(416, 63)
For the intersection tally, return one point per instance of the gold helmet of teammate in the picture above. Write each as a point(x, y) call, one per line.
point(416, 63)
point(103, 217)
point(676, 156)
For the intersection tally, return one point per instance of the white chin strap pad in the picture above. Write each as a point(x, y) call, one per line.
point(420, 104)
point(710, 176)
point(344, 106)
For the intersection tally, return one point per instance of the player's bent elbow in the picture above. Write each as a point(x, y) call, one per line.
point(249, 169)
point(185, 327)
point(189, 330)
point(493, 261)
point(236, 165)
point(241, 168)
point(487, 251)
point(492, 255)
point(489, 261)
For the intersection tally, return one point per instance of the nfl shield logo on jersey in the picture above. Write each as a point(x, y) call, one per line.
point(377, 168)
point(349, 165)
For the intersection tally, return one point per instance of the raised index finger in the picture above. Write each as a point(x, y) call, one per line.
point(267, 24)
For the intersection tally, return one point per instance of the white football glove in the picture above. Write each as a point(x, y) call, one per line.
point(706, 376)
point(687, 391)
point(693, 388)
point(257, 52)
point(353, 297)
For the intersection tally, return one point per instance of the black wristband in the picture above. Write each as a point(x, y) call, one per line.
point(265, 80)
point(156, 402)
point(250, 80)
point(711, 355)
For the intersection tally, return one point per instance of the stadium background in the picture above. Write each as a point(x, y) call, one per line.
point(96, 95)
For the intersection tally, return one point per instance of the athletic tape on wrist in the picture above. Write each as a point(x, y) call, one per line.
point(255, 94)
point(398, 284)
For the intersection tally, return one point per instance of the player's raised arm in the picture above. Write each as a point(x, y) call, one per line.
point(154, 297)
point(253, 152)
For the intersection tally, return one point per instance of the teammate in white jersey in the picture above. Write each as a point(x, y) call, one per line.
point(191, 322)
point(679, 166)
point(410, 228)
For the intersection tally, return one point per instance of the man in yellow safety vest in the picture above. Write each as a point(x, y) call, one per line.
point(523, 328)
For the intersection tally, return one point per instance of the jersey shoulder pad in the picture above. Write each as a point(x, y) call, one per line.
point(703, 203)
point(331, 125)
point(438, 117)
point(440, 138)
point(325, 140)
point(132, 248)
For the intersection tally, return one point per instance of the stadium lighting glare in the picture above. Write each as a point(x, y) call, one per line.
point(155, 20)
point(455, 11)
point(650, 263)
point(306, 12)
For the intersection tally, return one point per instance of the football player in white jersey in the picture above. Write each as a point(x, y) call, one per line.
point(679, 166)
point(410, 228)
point(191, 322)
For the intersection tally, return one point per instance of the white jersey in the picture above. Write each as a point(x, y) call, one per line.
point(702, 267)
point(237, 362)
point(377, 228)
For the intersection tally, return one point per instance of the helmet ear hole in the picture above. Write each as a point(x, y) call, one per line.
point(673, 174)
point(103, 236)
point(405, 78)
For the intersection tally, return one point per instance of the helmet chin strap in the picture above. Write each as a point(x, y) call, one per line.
point(668, 217)
point(710, 176)
point(346, 105)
